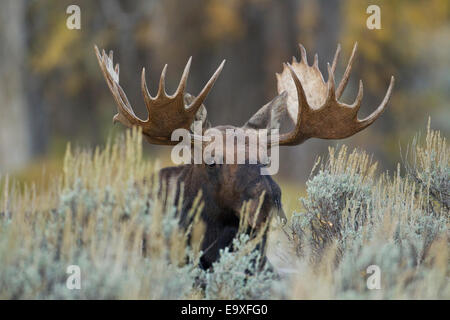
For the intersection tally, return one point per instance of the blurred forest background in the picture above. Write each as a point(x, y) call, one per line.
point(52, 91)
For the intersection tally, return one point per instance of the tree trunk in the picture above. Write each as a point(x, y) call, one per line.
point(15, 137)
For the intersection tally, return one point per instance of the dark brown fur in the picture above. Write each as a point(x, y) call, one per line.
point(224, 189)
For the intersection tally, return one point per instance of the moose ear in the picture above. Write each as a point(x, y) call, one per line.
point(269, 116)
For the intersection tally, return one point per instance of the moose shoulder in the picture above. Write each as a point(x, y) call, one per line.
point(311, 103)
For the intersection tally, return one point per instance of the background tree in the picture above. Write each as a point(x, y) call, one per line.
point(68, 101)
point(15, 135)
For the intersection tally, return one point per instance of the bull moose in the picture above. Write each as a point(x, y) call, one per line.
point(311, 103)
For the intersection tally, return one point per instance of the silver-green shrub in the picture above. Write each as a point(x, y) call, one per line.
point(350, 221)
point(238, 275)
point(102, 215)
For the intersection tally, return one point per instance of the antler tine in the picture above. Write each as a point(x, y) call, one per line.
point(195, 105)
point(357, 104)
point(316, 61)
point(126, 113)
point(184, 77)
point(346, 76)
point(336, 57)
point(147, 96)
point(125, 108)
point(162, 83)
point(295, 136)
point(331, 85)
point(377, 113)
point(303, 103)
point(303, 53)
point(161, 90)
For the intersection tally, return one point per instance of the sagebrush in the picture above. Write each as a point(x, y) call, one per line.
point(104, 214)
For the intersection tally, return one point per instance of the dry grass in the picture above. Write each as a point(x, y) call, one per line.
point(95, 215)
point(97, 211)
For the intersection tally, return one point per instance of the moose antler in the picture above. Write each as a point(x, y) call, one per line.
point(313, 104)
point(166, 113)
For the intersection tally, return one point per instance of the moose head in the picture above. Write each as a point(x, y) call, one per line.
point(311, 103)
